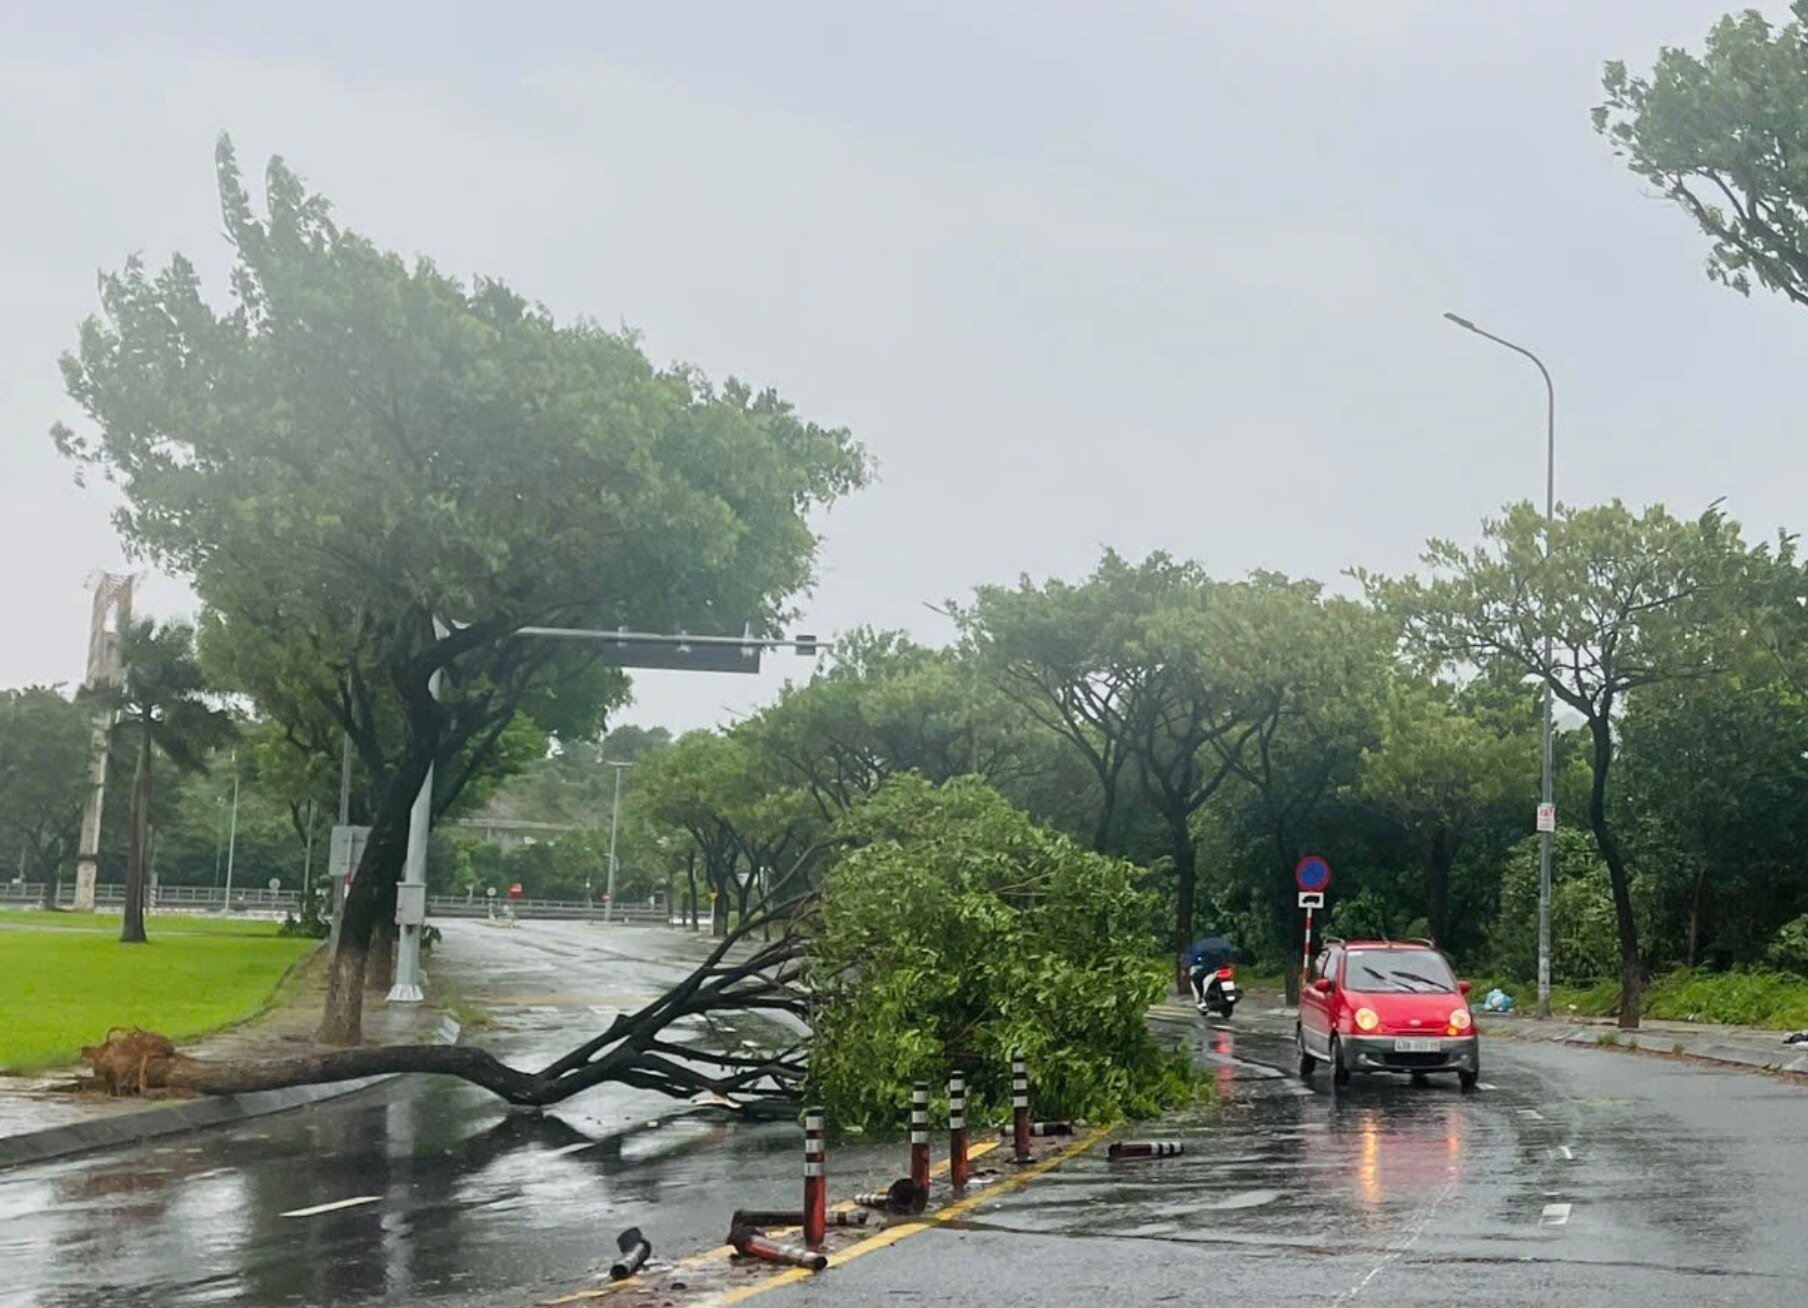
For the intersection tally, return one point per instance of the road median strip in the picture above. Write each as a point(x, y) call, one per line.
point(893, 1234)
point(720, 1253)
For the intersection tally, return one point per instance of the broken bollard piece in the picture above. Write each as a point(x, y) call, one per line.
point(1146, 1149)
point(904, 1196)
point(635, 1250)
point(754, 1244)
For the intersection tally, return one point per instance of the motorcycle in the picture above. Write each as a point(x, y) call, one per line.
point(1218, 995)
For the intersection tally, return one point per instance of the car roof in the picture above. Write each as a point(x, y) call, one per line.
point(1417, 946)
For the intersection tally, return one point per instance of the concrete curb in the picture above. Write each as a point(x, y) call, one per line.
point(1791, 1059)
point(175, 1118)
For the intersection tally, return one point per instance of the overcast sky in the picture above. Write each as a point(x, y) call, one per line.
point(1154, 275)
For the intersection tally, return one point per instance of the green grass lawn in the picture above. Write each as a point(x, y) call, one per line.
point(65, 978)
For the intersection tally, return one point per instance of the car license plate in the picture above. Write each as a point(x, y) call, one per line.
point(1418, 1046)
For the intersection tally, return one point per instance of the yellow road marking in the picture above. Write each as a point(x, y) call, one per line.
point(716, 1255)
point(891, 1235)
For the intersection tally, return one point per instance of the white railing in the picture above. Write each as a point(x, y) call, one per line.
point(258, 899)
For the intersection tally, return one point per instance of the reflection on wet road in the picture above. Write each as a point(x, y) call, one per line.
point(464, 1200)
point(1586, 1176)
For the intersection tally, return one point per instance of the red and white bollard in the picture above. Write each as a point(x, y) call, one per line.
point(816, 1198)
point(958, 1171)
point(1020, 1110)
point(919, 1134)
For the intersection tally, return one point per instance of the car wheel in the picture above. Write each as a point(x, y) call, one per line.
point(1340, 1072)
point(1467, 1080)
point(1307, 1063)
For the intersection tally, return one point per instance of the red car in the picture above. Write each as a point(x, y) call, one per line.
point(1387, 1006)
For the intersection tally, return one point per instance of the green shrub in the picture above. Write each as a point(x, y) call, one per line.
point(957, 933)
point(1788, 949)
point(1777, 1000)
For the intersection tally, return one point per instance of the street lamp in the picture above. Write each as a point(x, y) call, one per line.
point(1547, 816)
point(614, 825)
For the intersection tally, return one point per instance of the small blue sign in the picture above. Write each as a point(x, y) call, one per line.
point(1312, 874)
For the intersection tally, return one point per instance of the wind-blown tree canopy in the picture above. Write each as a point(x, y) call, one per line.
point(1631, 601)
point(1723, 134)
point(44, 750)
point(375, 473)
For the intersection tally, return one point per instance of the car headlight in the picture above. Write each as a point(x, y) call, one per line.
point(1460, 1020)
point(1366, 1020)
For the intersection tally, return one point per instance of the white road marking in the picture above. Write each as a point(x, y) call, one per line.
point(1398, 1247)
point(1485, 1085)
point(571, 1148)
point(1564, 1152)
point(1531, 1114)
point(1554, 1215)
point(334, 1207)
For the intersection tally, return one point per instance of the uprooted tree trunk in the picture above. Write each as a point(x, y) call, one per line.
point(634, 1050)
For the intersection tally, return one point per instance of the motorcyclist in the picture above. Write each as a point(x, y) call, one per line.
point(1208, 954)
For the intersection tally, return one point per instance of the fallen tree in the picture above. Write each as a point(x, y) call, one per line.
point(636, 1049)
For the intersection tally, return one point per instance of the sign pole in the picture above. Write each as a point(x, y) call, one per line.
point(1306, 963)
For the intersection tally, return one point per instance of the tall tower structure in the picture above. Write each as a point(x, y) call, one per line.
point(111, 615)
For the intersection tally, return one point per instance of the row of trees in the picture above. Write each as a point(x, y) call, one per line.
point(1216, 731)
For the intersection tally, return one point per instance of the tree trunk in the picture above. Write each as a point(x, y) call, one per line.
point(1186, 882)
point(342, 1022)
point(690, 873)
point(1437, 883)
point(1694, 939)
point(718, 915)
point(1631, 972)
point(379, 961)
point(632, 1050)
point(373, 885)
point(131, 927)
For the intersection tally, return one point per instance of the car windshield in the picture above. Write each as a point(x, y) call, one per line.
point(1398, 971)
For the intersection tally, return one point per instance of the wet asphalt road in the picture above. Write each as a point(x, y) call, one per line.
point(465, 1201)
point(1574, 1176)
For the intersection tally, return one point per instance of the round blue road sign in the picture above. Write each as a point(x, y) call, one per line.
point(1313, 873)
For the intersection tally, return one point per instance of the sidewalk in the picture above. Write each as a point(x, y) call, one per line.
point(41, 1117)
point(1734, 1045)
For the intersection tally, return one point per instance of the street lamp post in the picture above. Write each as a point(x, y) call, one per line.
point(614, 826)
point(1547, 805)
point(232, 835)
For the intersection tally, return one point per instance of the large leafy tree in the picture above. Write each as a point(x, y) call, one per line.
point(1723, 134)
point(44, 745)
point(376, 474)
point(1442, 771)
point(748, 827)
point(1630, 601)
point(1144, 669)
point(161, 709)
point(1715, 779)
point(886, 705)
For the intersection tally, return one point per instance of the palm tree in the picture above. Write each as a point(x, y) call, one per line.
point(161, 708)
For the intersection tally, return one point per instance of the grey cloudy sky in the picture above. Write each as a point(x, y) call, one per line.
point(1160, 275)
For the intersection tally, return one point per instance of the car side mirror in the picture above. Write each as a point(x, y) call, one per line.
point(1464, 987)
point(1322, 985)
